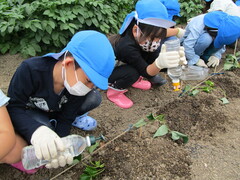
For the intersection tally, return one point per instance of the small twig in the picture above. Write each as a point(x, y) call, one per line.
point(140, 132)
point(93, 152)
point(235, 48)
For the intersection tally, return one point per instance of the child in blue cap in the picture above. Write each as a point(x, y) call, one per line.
point(173, 10)
point(137, 51)
point(206, 36)
point(237, 2)
point(48, 92)
point(11, 143)
point(227, 6)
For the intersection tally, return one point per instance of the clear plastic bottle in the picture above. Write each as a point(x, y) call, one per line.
point(74, 144)
point(174, 73)
point(194, 73)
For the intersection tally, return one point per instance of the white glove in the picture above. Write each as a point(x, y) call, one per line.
point(63, 159)
point(201, 63)
point(180, 33)
point(167, 59)
point(46, 143)
point(183, 60)
point(213, 61)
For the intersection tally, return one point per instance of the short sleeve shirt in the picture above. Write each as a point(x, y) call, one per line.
point(3, 99)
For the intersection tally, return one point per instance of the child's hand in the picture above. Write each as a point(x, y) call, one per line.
point(46, 143)
point(213, 61)
point(62, 160)
point(201, 63)
point(167, 59)
point(180, 33)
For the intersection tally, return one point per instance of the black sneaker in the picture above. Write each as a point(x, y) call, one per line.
point(157, 80)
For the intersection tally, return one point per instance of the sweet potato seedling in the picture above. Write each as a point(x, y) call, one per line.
point(163, 129)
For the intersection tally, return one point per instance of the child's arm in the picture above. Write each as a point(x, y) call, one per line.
point(7, 135)
point(179, 32)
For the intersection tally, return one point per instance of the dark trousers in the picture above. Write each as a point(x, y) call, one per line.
point(124, 76)
point(62, 128)
point(209, 52)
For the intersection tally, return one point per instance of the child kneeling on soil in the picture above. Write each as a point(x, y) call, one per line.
point(48, 93)
point(11, 143)
point(206, 36)
point(137, 51)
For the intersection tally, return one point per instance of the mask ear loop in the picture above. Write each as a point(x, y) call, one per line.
point(64, 75)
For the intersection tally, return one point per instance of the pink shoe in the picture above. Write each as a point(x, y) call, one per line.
point(117, 96)
point(142, 84)
point(20, 167)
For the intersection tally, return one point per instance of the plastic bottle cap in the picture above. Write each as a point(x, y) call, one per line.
point(176, 86)
point(89, 141)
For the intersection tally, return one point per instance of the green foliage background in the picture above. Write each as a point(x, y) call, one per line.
point(37, 27)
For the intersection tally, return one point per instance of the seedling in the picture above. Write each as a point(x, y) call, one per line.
point(208, 87)
point(92, 171)
point(163, 129)
point(231, 61)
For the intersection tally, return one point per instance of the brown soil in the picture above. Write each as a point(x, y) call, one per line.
point(212, 152)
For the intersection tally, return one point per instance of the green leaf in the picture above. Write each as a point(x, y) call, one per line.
point(49, 29)
point(194, 92)
point(31, 51)
point(187, 88)
point(88, 22)
point(228, 66)
point(140, 123)
point(85, 177)
point(224, 100)
point(177, 135)
point(209, 83)
point(150, 117)
point(79, 158)
point(52, 24)
point(33, 28)
point(36, 47)
point(93, 147)
point(207, 89)
point(37, 25)
point(5, 48)
point(38, 37)
point(162, 130)
point(160, 117)
point(54, 36)
point(75, 161)
point(10, 29)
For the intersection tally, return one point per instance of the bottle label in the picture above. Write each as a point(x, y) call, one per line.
point(176, 86)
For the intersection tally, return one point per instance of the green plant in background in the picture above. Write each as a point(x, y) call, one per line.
point(163, 129)
point(231, 61)
point(189, 9)
point(38, 27)
point(92, 171)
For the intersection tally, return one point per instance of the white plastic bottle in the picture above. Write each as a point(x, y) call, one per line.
point(174, 73)
point(194, 73)
point(74, 144)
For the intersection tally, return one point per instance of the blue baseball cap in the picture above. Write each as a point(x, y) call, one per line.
point(237, 2)
point(94, 54)
point(228, 27)
point(151, 12)
point(173, 8)
point(208, 0)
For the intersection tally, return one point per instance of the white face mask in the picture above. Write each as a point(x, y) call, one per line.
point(78, 89)
point(150, 46)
